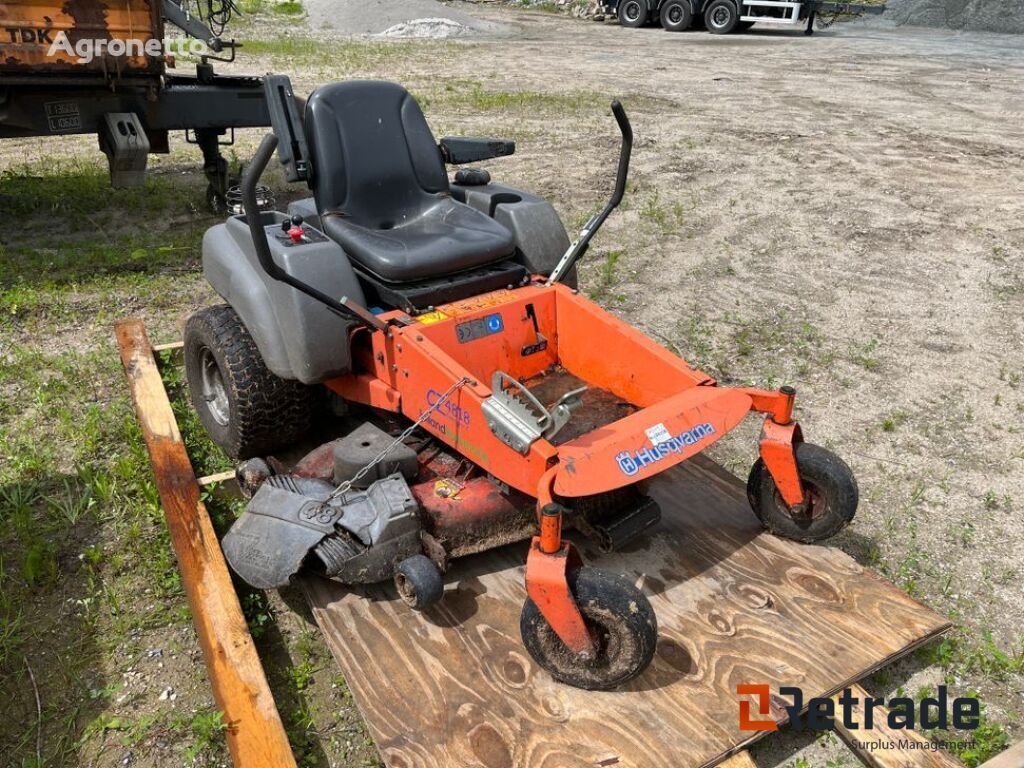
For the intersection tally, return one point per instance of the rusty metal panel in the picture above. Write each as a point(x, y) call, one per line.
point(29, 30)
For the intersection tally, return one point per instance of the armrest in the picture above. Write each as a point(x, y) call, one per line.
point(458, 150)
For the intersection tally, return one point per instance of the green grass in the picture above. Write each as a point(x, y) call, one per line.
point(607, 276)
point(342, 58)
point(893, 419)
point(867, 355)
point(288, 8)
point(475, 96)
point(979, 745)
point(86, 562)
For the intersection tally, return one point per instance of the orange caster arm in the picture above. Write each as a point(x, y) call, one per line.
point(779, 435)
point(547, 573)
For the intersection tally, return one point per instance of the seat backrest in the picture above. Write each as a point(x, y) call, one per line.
point(372, 154)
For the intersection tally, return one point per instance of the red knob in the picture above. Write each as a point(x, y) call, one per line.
point(296, 233)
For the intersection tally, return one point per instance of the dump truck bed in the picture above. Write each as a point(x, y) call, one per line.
point(46, 38)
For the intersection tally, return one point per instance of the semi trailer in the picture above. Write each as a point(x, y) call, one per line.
point(721, 17)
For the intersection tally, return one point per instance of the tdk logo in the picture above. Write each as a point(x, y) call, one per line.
point(632, 462)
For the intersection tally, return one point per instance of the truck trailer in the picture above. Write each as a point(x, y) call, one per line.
point(720, 17)
point(107, 68)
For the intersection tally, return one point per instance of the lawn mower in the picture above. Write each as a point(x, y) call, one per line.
point(494, 402)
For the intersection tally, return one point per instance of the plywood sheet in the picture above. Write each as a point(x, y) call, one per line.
point(454, 687)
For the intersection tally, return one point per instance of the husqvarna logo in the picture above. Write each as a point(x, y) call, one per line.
point(631, 462)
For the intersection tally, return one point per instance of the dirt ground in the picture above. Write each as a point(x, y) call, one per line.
point(842, 213)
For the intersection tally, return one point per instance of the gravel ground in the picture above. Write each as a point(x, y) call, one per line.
point(394, 18)
point(988, 15)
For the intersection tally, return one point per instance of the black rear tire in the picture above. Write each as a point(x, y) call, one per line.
point(246, 409)
point(829, 485)
point(721, 17)
point(633, 13)
point(618, 615)
point(676, 15)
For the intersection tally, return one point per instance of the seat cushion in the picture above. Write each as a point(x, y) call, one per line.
point(445, 238)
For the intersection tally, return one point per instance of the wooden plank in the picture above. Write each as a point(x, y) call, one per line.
point(256, 737)
point(883, 747)
point(219, 477)
point(739, 760)
point(1009, 758)
point(169, 347)
point(454, 686)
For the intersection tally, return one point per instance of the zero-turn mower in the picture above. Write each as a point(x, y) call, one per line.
point(498, 404)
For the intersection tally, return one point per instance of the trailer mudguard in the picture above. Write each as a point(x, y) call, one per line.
point(297, 336)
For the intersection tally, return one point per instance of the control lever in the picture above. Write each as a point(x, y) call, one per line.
point(579, 245)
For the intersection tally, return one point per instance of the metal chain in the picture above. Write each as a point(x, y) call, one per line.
point(346, 486)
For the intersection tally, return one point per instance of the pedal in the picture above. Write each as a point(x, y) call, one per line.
point(518, 419)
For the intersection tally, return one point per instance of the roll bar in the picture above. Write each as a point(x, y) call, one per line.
point(343, 306)
point(579, 246)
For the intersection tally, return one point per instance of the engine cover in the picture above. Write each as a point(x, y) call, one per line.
point(356, 538)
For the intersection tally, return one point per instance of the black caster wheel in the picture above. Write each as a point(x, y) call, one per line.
point(620, 619)
point(250, 475)
point(831, 492)
point(419, 582)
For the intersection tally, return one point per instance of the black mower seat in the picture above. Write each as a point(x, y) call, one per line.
point(382, 189)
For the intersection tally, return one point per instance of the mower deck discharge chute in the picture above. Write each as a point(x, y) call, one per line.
point(499, 403)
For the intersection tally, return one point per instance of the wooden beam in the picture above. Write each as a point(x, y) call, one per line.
point(878, 746)
point(256, 737)
point(1011, 758)
point(739, 760)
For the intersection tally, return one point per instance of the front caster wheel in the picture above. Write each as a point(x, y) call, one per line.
point(619, 618)
point(829, 487)
point(419, 582)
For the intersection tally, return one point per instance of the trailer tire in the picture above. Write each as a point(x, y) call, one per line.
point(676, 15)
point(721, 17)
point(633, 13)
point(246, 409)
